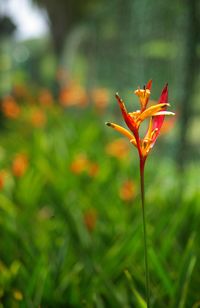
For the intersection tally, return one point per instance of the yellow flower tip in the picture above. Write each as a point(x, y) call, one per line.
point(143, 95)
point(142, 92)
point(153, 133)
point(133, 141)
point(164, 105)
point(109, 124)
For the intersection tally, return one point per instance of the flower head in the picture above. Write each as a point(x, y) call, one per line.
point(20, 165)
point(155, 114)
point(90, 219)
point(100, 97)
point(73, 95)
point(10, 108)
point(38, 118)
point(82, 164)
point(118, 148)
point(127, 191)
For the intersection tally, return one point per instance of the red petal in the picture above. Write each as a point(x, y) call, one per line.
point(158, 120)
point(149, 84)
point(127, 118)
point(164, 95)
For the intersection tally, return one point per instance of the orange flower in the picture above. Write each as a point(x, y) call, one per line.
point(79, 164)
point(133, 120)
point(10, 108)
point(100, 98)
point(19, 165)
point(2, 178)
point(118, 148)
point(155, 115)
point(38, 118)
point(45, 98)
point(73, 95)
point(90, 219)
point(127, 191)
point(82, 164)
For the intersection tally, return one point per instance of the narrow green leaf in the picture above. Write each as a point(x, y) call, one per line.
point(140, 301)
point(185, 273)
point(187, 281)
point(160, 271)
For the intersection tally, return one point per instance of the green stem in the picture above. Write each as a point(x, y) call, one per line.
point(142, 163)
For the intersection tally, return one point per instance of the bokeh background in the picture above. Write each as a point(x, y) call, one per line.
point(70, 212)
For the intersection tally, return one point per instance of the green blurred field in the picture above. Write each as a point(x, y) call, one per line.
point(71, 233)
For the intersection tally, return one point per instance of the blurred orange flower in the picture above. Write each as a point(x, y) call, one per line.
point(19, 165)
point(127, 191)
point(79, 164)
point(38, 118)
point(45, 97)
point(100, 97)
point(10, 108)
point(2, 178)
point(90, 219)
point(82, 164)
point(73, 95)
point(118, 148)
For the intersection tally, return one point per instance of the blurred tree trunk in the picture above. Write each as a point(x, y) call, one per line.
point(60, 17)
point(190, 77)
point(64, 15)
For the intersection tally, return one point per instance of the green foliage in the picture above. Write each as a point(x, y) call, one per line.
point(51, 256)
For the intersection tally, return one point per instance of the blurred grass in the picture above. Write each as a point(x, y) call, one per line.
point(68, 238)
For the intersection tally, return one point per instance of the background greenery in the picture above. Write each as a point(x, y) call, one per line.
point(70, 213)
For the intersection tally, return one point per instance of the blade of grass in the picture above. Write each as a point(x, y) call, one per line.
point(185, 273)
point(140, 301)
point(160, 271)
point(187, 281)
point(175, 223)
point(114, 297)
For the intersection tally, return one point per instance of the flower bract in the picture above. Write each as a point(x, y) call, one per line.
point(155, 114)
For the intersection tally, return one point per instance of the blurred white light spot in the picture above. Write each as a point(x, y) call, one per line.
point(31, 21)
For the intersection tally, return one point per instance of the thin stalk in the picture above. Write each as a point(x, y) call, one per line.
point(142, 163)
